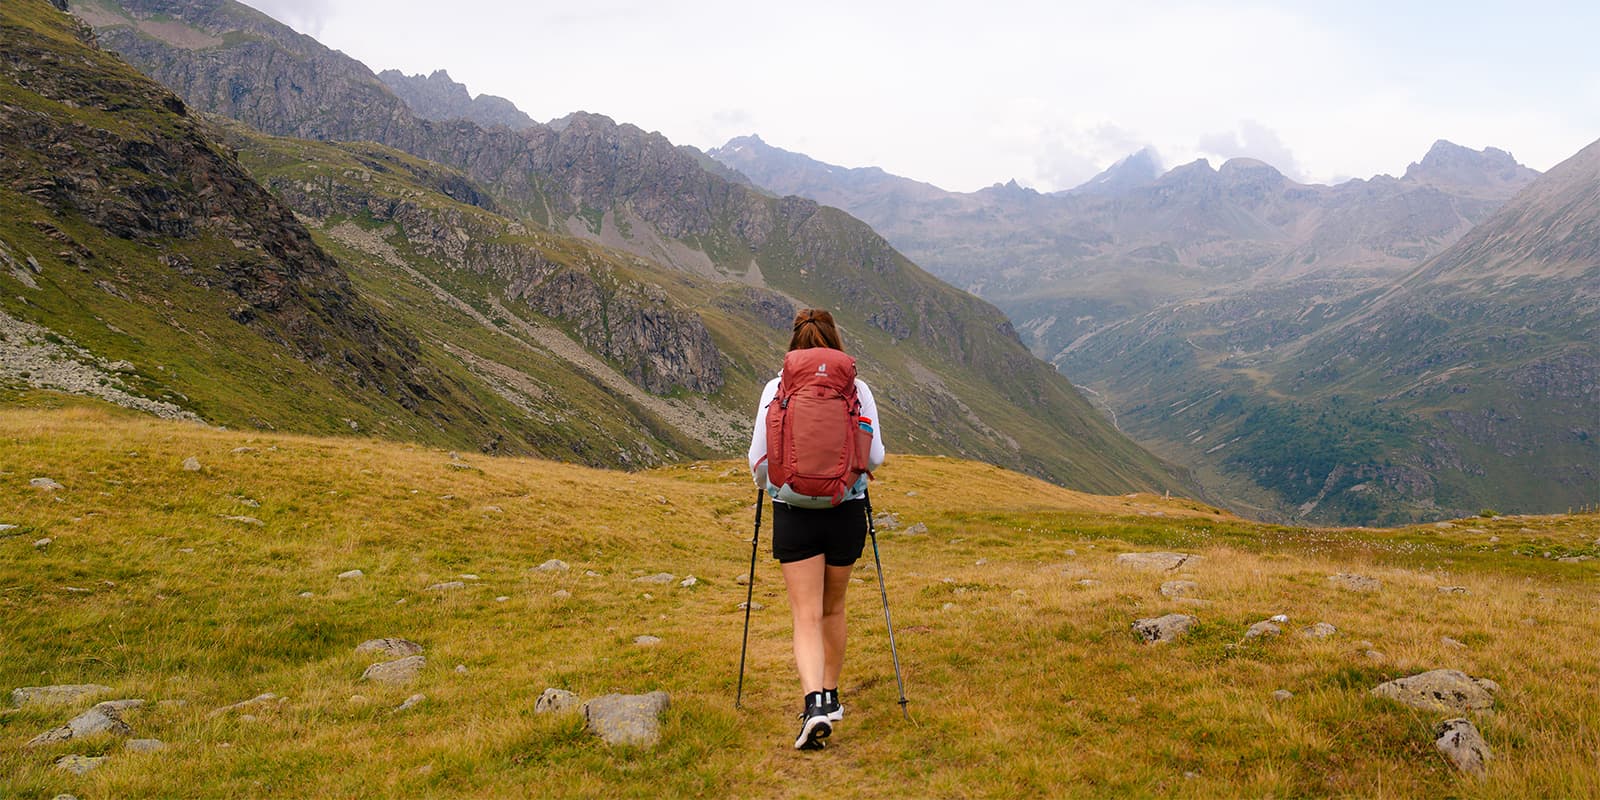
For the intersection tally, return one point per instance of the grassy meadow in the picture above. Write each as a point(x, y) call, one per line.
point(187, 589)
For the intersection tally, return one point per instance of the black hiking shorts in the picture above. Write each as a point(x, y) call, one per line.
point(838, 533)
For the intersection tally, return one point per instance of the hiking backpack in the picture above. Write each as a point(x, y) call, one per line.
point(817, 441)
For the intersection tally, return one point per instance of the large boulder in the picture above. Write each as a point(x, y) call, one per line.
point(396, 673)
point(1163, 629)
point(64, 694)
point(627, 719)
point(105, 718)
point(1156, 562)
point(1441, 690)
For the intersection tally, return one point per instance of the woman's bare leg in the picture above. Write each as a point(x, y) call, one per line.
point(804, 581)
point(835, 581)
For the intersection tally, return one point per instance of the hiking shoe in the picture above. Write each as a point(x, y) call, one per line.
point(814, 725)
point(831, 704)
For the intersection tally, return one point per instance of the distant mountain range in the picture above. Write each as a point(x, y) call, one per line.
point(581, 289)
point(1195, 303)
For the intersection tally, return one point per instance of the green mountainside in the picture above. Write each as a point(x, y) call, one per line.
point(533, 309)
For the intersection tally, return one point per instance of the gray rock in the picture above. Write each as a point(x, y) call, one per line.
point(446, 586)
point(1283, 695)
point(885, 520)
point(647, 640)
point(1355, 583)
point(80, 765)
point(916, 529)
point(100, 719)
point(1086, 582)
point(755, 605)
point(1164, 629)
point(1453, 590)
point(1451, 643)
point(396, 673)
point(659, 577)
point(627, 719)
point(351, 574)
point(64, 797)
point(1440, 690)
point(62, 694)
point(46, 484)
point(461, 669)
point(742, 579)
point(554, 565)
point(120, 706)
point(689, 581)
point(243, 520)
point(392, 647)
point(1180, 588)
point(144, 745)
point(260, 699)
point(43, 543)
point(411, 702)
point(1265, 628)
point(192, 464)
point(308, 594)
point(555, 700)
point(1156, 562)
point(561, 594)
point(4, 528)
point(1460, 742)
point(1321, 630)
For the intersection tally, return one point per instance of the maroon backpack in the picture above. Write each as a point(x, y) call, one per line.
point(817, 441)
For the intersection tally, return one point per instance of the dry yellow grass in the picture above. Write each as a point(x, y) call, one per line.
point(1023, 681)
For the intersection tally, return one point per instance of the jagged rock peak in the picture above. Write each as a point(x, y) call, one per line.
point(1448, 162)
point(1132, 171)
point(437, 96)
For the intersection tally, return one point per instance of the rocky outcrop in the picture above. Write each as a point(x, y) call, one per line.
point(437, 97)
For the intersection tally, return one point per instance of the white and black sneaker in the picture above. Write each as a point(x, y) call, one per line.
point(831, 704)
point(814, 725)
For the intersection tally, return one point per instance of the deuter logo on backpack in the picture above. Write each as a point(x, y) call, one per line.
point(817, 441)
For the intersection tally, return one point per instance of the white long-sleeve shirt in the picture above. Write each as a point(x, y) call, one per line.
point(758, 438)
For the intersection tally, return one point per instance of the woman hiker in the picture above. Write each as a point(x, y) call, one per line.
point(822, 425)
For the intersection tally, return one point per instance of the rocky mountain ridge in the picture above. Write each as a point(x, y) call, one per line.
point(435, 96)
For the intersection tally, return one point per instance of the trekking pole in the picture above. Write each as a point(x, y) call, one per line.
point(872, 529)
point(749, 595)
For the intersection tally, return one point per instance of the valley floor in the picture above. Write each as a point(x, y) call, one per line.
point(197, 586)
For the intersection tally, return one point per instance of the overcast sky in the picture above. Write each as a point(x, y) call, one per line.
point(965, 94)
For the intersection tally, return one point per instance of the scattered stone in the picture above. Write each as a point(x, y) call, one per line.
point(144, 745)
point(351, 574)
point(358, 700)
point(555, 700)
point(646, 640)
point(689, 581)
point(980, 562)
point(103, 718)
point(43, 543)
point(1453, 590)
point(46, 484)
point(470, 577)
point(242, 520)
point(659, 577)
point(554, 565)
point(1355, 583)
point(1155, 562)
point(948, 607)
point(1088, 582)
point(1281, 619)
point(1265, 628)
point(1451, 643)
point(1440, 690)
point(446, 586)
point(885, 520)
point(622, 719)
point(4, 528)
point(755, 605)
point(411, 702)
point(502, 598)
point(1494, 540)
point(1443, 526)
point(1460, 742)
point(1374, 655)
point(1283, 695)
point(395, 673)
point(80, 765)
point(63, 694)
point(916, 529)
point(64, 797)
point(392, 647)
point(461, 669)
point(308, 594)
point(192, 464)
point(260, 699)
point(591, 573)
point(1163, 629)
point(562, 594)
point(1321, 630)
point(1179, 588)
point(248, 718)
point(242, 451)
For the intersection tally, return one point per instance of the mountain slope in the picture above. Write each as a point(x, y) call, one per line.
point(437, 97)
point(953, 376)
